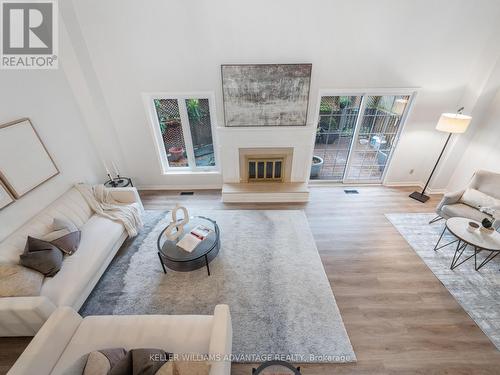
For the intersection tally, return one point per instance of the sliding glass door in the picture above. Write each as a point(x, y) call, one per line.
point(336, 125)
point(356, 135)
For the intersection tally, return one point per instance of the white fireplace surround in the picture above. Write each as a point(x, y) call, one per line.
point(289, 143)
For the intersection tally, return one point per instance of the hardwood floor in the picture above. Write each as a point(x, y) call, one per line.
point(399, 317)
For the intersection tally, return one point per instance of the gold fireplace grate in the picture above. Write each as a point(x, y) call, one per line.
point(265, 169)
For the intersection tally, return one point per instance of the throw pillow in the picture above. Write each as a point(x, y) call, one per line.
point(19, 281)
point(120, 362)
point(477, 199)
point(65, 236)
point(140, 361)
point(97, 364)
point(101, 362)
point(42, 256)
point(183, 368)
point(190, 368)
point(166, 369)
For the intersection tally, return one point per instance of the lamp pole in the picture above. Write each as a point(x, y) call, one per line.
point(449, 123)
point(421, 197)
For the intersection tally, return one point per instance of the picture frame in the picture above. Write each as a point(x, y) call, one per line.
point(25, 162)
point(6, 198)
point(265, 94)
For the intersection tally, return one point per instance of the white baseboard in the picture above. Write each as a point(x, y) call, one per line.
point(180, 187)
point(389, 184)
point(311, 183)
point(436, 191)
point(324, 183)
point(416, 184)
point(404, 184)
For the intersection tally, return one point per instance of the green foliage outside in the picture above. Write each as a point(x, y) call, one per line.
point(164, 118)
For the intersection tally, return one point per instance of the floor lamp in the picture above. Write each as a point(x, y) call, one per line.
point(450, 123)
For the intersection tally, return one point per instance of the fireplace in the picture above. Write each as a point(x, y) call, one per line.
point(281, 157)
point(265, 170)
point(265, 164)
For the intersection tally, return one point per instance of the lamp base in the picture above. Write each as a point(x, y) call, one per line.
point(419, 196)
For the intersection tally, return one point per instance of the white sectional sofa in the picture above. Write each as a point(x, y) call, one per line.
point(62, 343)
point(101, 238)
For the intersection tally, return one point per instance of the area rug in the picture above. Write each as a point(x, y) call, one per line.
point(268, 271)
point(478, 292)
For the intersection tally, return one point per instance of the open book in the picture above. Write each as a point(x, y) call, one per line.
point(193, 238)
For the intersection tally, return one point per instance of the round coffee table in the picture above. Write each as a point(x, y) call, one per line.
point(478, 239)
point(178, 259)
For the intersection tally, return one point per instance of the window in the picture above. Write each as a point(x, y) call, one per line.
point(183, 130)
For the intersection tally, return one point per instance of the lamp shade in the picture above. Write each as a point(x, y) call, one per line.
point(453, 123)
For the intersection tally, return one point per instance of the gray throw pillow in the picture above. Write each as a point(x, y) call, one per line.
point(42, 256)
point(120, 362)
point(65, 236)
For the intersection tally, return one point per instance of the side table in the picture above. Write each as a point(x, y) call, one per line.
point(119, 182)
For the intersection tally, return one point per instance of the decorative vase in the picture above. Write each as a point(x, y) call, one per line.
point(472, 227)
point(487, 223)
point(176, 226)
point(487, 230)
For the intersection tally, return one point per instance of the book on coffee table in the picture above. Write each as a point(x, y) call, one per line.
point(193, 238)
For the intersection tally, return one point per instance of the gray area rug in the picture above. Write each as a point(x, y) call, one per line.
point(478, 292)
point(268, 271)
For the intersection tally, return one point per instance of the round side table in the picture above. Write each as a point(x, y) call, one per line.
point(477, 239)
point(119, 182)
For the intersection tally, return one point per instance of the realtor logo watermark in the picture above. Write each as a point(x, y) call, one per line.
point(29, 34)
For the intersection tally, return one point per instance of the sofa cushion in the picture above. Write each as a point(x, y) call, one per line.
point(487, 182)
point(172, 333)
point(463, 210)
point(19, 281)
point(71, 206)
point(477, 199)
point(98, 238)
point(42, 256)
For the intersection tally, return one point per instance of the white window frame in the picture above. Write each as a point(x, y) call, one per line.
point(186, 131)
point(411, 92)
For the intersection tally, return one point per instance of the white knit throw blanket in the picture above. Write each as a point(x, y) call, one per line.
point(102, 203)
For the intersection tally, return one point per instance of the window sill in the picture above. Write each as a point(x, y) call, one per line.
point(191, 172)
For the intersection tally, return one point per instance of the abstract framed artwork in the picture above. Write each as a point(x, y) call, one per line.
point(5, 197)
point(25, 163)
point(266, 94)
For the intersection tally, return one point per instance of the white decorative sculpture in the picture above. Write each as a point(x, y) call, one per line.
point(176, 227)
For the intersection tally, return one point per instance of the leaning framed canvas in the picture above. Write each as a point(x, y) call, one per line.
point(25, 163)
point(5, 197)
point(266, 94)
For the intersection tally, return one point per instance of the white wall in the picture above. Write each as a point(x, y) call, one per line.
point(483, 137)
point(476, 98)
point(177, 45)
point(45, 97)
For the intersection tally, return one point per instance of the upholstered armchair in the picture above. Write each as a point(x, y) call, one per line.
point(479, 200)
